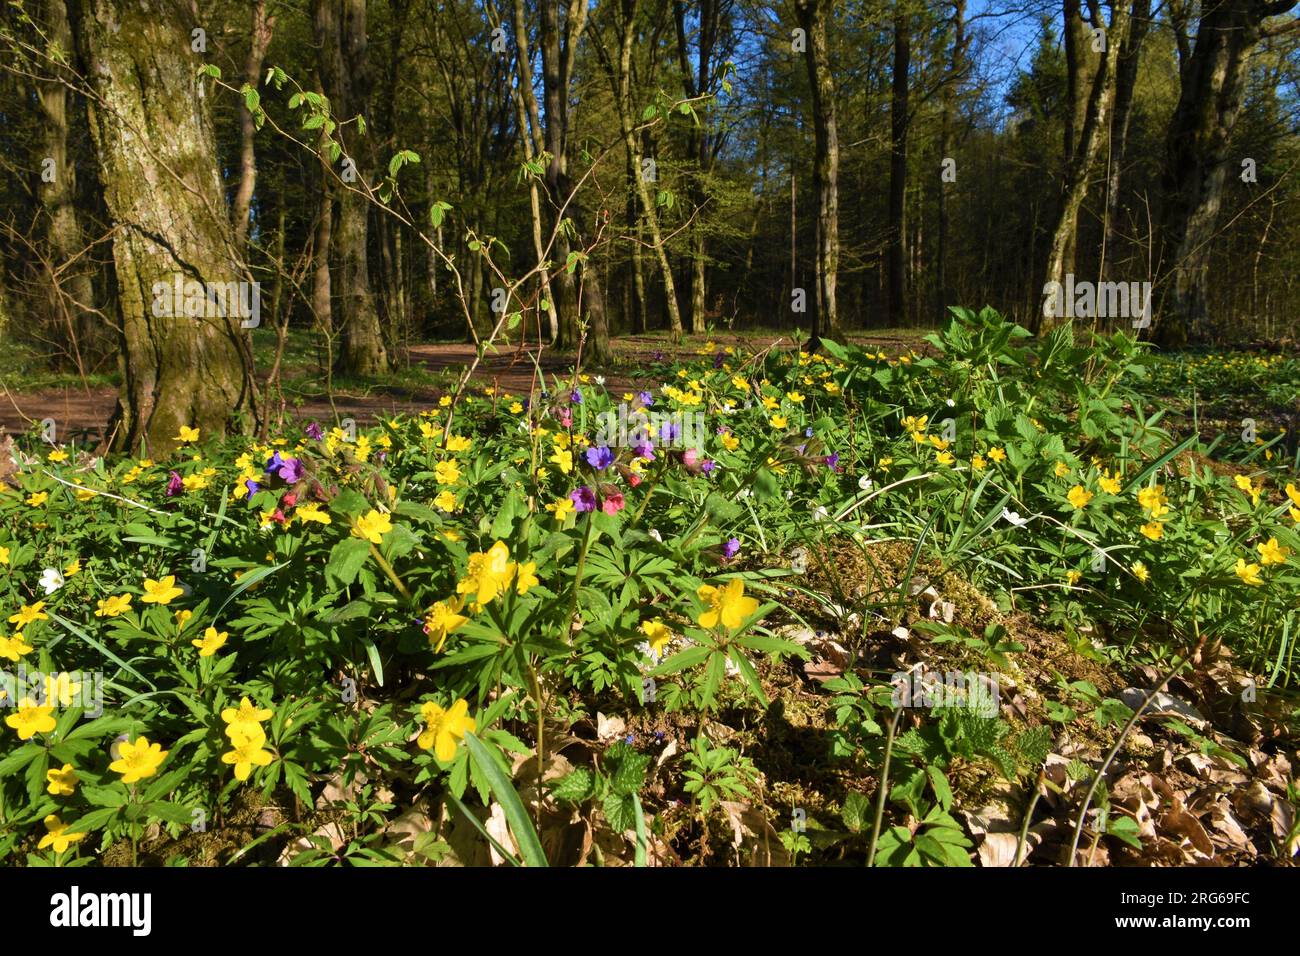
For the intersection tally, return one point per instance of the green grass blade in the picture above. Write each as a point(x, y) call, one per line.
point(530, 847)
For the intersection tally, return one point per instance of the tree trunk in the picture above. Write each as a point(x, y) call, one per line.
point(531, 132)
point(70, 297)
point(898, 126)
point(813, 16)
point(649, 212)
point(1074, 186)
point(1125, 87)
point(580, 287)
point(1213, 84)
point(956, 71)
point(696, 82)
point(158, 168)
point(345, 76)
point(321, 288)
point(258, 41)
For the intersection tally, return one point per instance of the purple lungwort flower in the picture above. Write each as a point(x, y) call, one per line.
point(670, 432)
point(292, 471)
point(658, 356)
point(253, 488)
point(718, 359)
point(708, 465)
point(576, 397)
point(808, 432)
point(731, 548)
point(174, 484)
point(833, 461)
point(274, 463)
point(315, 432)
point(600, 457)
point(644, 449)
point(584, 499)
point(646, 399)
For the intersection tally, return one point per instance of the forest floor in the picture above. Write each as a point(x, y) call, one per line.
point(82, 407)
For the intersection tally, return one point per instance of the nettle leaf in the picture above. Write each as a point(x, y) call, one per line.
point(855, 812)
point(1111, 711)
point(575, 787)
point(620, 811)
point(1125, 829)
point(627, 768)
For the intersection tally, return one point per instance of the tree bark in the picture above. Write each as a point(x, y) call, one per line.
point(898, 128)
point(649, 216)
point(1074, 186)
point(1125, 87)
point(158, 167)
point(813, 16)
point(70, 300)
point(530, 127)
point(698, 80)
point(956, 71)
point(345, 76)
point(258, 40)
point(559, 50)
point(321, 289)
point(1213, 85)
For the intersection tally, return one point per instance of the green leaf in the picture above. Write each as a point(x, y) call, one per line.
point(346, 559)
point(113, 796)
point(376, 667)
point(102, 649)
point(574, 787)
point(942, 792)
point(640, 859)
point(171, 812)
point(19, 759)
point(682, 660)
point(854, 812)
point(628, 768)
point(620, 811)
point(1126, 829)
point(95, 820)
point(521, 827)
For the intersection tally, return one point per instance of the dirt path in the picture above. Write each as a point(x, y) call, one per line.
point(82, 413)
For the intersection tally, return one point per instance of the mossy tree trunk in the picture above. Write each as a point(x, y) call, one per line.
point(152, 131)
